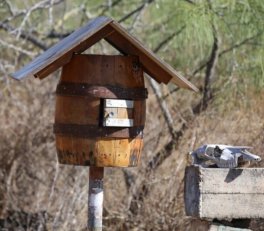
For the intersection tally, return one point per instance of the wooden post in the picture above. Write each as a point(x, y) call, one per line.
point(95, 199)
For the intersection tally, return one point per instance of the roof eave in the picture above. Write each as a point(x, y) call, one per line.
point(83, 38)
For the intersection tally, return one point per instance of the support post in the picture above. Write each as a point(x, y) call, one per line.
point(95, 199)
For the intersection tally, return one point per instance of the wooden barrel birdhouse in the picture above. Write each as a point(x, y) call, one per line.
point(100, 100)
point(100, 111)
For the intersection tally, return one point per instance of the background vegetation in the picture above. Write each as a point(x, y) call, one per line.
point(217, 45)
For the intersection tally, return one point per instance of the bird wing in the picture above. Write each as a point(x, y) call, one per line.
point(249, 156)
point(227, 159)
point(237, 147)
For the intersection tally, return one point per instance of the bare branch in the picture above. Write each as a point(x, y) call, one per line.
point(243, 42)
point(55, 35)
point(51, 12)
point(142, 6)
point(189, 1)
point(171, 92)
point(9, 7)
point(210, 69)
point(163, 105)
point(231, 48)
point(25, 35)
point(19, 32)
point(168, 39)
point(16, 48)
point(38, 6)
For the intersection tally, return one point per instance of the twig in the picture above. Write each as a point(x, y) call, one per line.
point(231, 48)
point(127, 16)
point(55, 35)
point(16, 48)
point(19, 32)
point(25, 35)
point(10, 7)
point(51, 12)
point(243, 42)
point(163, 105)
point(168, 39)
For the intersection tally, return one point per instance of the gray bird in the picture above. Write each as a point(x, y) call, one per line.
point(223, 156)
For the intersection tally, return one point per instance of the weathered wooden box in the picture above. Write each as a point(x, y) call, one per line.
point(224, 193)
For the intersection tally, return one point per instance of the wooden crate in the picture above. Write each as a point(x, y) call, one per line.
point(224, 193)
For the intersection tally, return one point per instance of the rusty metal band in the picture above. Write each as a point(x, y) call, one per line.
point(92, 131)
point(114, 92)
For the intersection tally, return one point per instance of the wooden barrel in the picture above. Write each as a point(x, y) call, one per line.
point(100, 111)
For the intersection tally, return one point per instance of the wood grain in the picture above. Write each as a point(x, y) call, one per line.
point(224, 193)
point(78, 41)
point(101, 152)
point(89, 110)
point(228, 206)
point(237, 181)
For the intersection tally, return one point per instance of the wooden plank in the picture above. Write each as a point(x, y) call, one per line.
point(77, 110)
point(53, 66)
point(78, 41)
point(191, 191)
point(118, 152)
point(231, 206)
point(224, 193)
point(125, 67)
point(106, 152)
point(152, 65)
point(219, 180)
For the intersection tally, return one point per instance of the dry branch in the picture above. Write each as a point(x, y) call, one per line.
point(139, 8)
point(20, 32)
point(210, 69)
point(231, 48)
point(25, 35)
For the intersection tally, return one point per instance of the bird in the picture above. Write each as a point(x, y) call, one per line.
point(223, 156)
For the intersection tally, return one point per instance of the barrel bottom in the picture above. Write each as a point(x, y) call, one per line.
point(101, 152)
